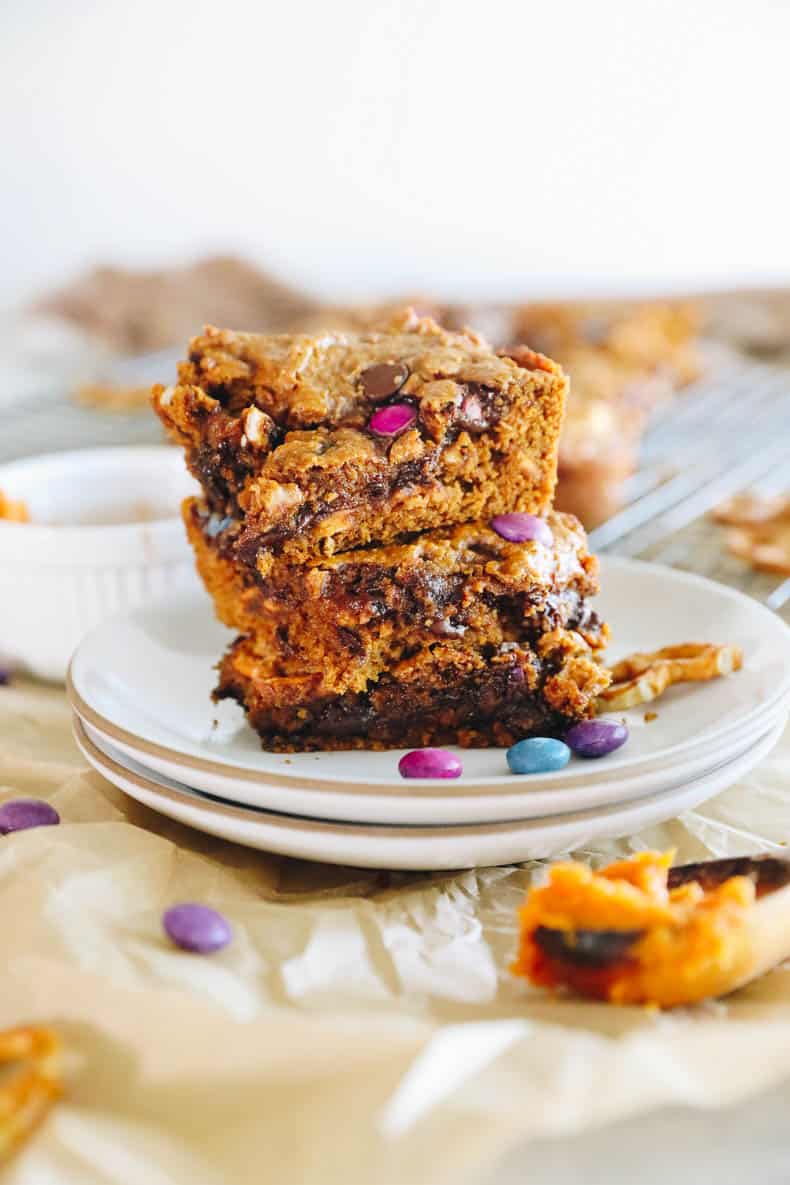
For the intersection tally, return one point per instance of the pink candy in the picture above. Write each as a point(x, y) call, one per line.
point(392, 419)
point(429, 763)
point(519, 527)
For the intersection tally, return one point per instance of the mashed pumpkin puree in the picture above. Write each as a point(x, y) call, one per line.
point(622, 934)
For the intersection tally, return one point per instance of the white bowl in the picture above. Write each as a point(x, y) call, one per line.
point(105, 536)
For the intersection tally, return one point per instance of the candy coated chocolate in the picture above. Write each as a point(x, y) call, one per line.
point(392, 419)
point(537, 755)
point(596, 738)
point(19, 814)
point(196, 928)
point(429, 763)
point(519, 527)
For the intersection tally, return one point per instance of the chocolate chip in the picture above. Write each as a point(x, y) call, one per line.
point(349, 716)
point(384, 379)
point(586, 948)
point(478, 410)
point(768, 872)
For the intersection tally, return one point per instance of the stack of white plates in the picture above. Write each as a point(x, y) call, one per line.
point(140, 689)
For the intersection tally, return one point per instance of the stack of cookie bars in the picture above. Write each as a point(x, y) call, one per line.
point(376, 521)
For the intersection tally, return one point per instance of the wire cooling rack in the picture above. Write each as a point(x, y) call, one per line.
point(726, 434)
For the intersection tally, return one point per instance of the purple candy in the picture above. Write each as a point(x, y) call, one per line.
point(392, 419)
point(196, 928)
point(596, 738)
point(429, 763)
point(5, 676)
point(520, 528)
point(22, 813)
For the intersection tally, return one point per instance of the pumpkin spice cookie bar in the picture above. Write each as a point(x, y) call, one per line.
point(447, 693)
point(320, 444)
point(355, 614)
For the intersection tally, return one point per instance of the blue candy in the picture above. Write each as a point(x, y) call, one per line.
point(537, 755)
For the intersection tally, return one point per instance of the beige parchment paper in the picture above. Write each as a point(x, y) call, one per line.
point(362, 1026)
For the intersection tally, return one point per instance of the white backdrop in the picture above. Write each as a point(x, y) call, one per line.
point(359, 147)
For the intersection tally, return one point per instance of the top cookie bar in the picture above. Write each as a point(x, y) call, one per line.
point(318, 444)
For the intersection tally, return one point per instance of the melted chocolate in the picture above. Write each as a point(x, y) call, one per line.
point(586, 948)
point(393, 712)
point(769, 873)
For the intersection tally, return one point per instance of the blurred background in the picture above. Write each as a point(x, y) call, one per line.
point(362, 149)
point(605, 182)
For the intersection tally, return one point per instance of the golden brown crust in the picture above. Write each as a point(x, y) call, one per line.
point(303, 380)
point(277, 431)
point(445, 693)
point(356, 614)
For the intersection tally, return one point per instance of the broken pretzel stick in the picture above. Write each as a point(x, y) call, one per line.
point(32, 1084)
point(765, 546)
point(641, 678)
point(760, 533)
point(748, 510)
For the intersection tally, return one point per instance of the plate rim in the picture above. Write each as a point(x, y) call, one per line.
point(616, 788)
point(764, 745)
point(219, 767)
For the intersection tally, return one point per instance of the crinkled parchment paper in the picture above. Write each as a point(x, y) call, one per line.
point(361, 1028)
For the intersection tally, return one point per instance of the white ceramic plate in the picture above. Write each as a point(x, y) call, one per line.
point(416, 848)
point(325, 800)
point(145, 681)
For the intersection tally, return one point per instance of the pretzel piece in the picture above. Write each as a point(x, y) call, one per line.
point(747, 510)
point(32, 1055)
point(641, 678)
point(765, 546)
point(761, 531)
